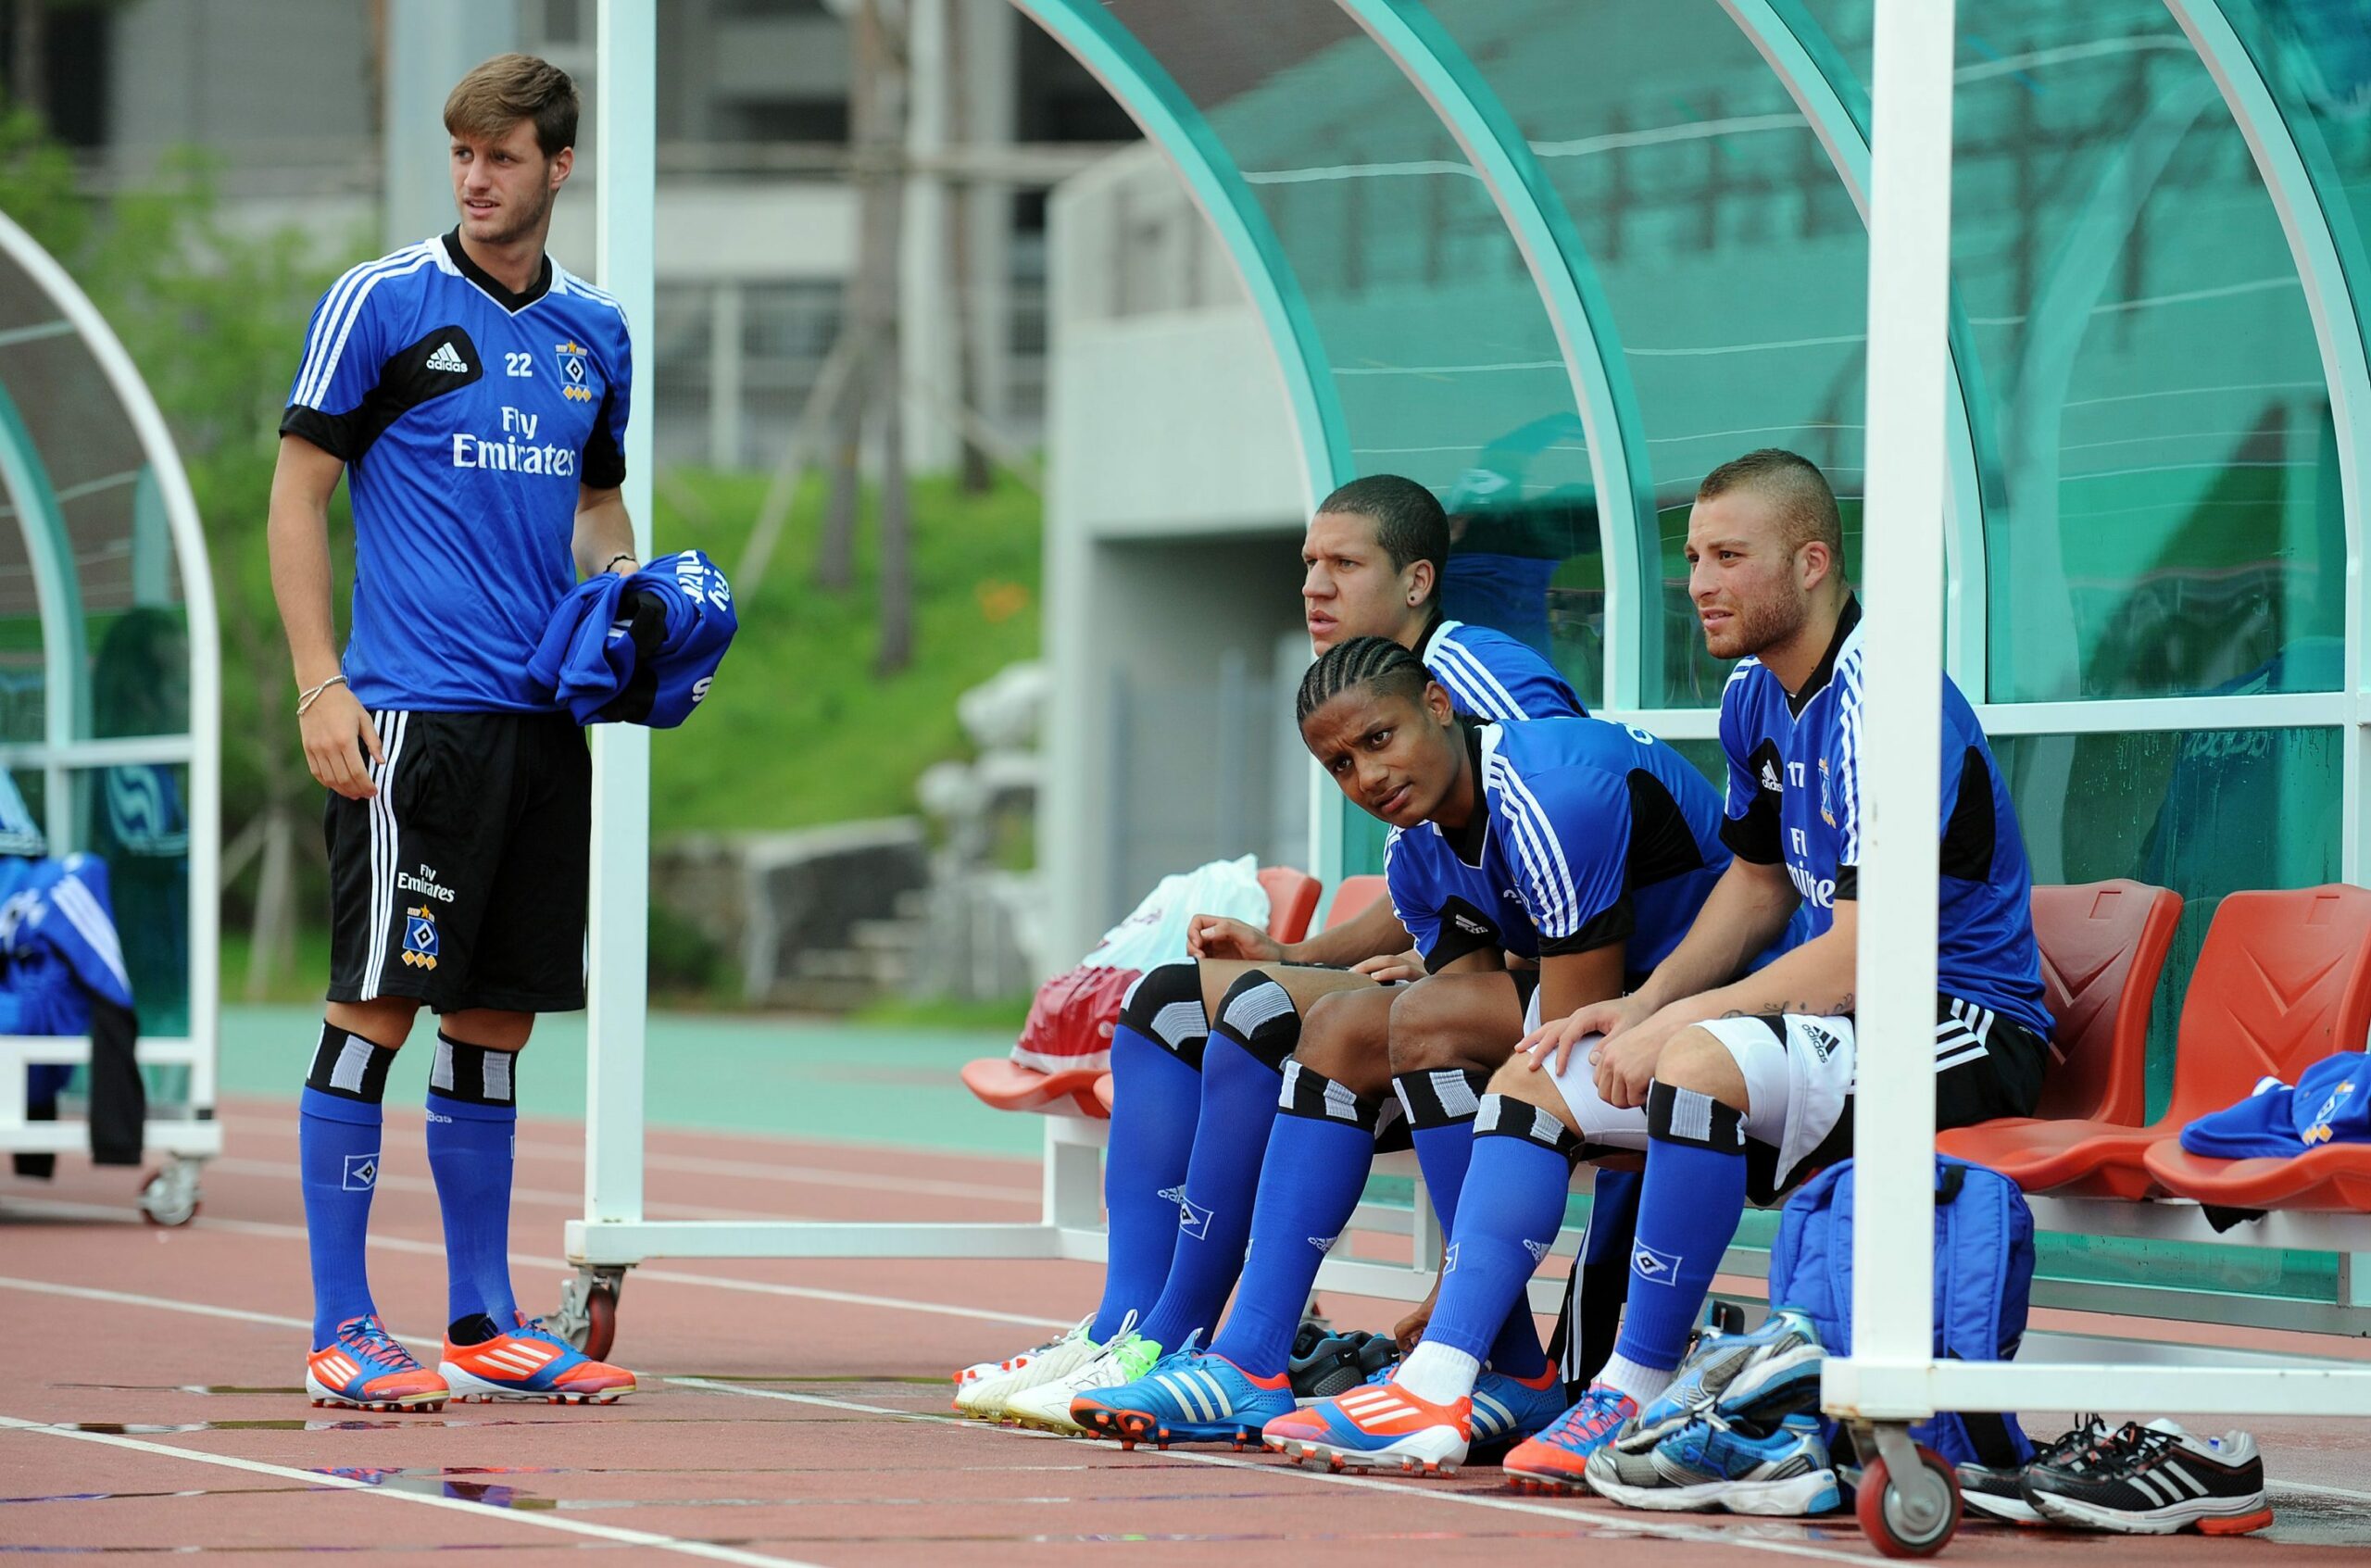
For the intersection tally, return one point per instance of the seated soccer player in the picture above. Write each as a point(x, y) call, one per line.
point(1578, 843)
point(1738, 1087)
point(1586, 843)
point(1198, 1055)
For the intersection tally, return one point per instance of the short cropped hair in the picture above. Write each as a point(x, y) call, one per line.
point(1378, 662)
point(1409, 522)
point(1806, 505)
point(509, 88)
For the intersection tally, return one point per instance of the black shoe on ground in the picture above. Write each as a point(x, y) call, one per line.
point(2155, 1480)
point(2000, 1493)
point(1339, 1363)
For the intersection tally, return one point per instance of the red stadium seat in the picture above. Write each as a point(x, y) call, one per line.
point(2283, 980)
point(1292, 899)
point(1352, 897)
point(1005, 1084)
point(2102, 949)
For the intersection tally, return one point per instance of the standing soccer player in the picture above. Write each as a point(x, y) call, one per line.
point(475, 395)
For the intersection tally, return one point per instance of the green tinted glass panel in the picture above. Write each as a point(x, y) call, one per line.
point(2203, 814)
point(1728, 248)
point(1439, 351)
point(135, 818)
point(2166, 523)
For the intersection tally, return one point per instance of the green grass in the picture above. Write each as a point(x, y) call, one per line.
point(799, 729)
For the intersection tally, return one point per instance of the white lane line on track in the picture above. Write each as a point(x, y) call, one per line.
point(65, 1210)
point(119, 1297)
point(611, 1533)
point(703, 1165)
point(1614, 1524)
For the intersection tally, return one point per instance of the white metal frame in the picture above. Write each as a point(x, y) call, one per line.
point(1921, 468)
point(1893, 1376)
point(194, 1136)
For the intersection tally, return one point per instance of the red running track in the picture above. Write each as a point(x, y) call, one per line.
point(150, 1401)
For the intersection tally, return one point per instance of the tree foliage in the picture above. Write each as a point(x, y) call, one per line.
point(215, 319)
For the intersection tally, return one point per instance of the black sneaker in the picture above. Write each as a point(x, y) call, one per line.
point(1339, 1363)
point(2155, 1480)
point(2001, 1494)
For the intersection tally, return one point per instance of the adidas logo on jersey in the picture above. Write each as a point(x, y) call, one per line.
point(448, 358)
point(1538, 1249)
point(1769, 778)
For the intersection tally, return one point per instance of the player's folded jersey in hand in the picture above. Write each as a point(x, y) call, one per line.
point(639, 649)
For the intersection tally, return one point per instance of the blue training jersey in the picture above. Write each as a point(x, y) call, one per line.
point(466, 416)
point(1491, 675)
point(1794, 797)
point(1591, 833)
point(57, 935)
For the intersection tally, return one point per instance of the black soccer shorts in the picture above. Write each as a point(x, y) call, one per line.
point(463, 881)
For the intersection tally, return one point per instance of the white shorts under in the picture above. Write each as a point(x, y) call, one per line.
point(1795, 1088)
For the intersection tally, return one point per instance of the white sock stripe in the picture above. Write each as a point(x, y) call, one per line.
point(352, 1059)
point(1256, 1007)
point(1179, 1023)
point(440, 1066)
point(1455, 1092)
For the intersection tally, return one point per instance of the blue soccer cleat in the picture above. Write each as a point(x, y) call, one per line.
point(1189, 1396)
point(1708, 1463)
point(1507, 1409)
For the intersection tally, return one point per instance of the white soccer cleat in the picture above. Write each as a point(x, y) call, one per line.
point(1048, 1406)
point(981, 1391)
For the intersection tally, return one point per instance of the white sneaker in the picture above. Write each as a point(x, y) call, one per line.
point(981, 1390)
point(1048, 1406)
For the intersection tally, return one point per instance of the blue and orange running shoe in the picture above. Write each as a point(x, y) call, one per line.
point(365, 1369)
point(1507, 1409)
point(531, 1362)
point(1759, 1376)
point(1553, 1461)
point(1189, 1396)
point(1378, 1427)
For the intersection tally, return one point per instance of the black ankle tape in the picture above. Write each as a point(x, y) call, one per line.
point(1506, 1117)
point(348, 1066)
point(1259, 1015)
point(1165, 1005)
point(1310, 1093)
point(1694, 1117)
point(1440, 1097)
point(473, 1073)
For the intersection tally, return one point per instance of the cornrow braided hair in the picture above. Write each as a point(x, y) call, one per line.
point(1362, 661)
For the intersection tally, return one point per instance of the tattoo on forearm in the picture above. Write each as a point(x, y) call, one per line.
point(1801, 1009)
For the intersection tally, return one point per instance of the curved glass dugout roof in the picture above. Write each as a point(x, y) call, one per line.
point(109, 702)
point(1522, 245)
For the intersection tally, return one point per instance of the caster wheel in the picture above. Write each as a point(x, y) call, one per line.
point(1913, 1515)
point(600, 1322)
point(169, 1196)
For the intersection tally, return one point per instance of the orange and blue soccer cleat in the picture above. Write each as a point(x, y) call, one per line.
point(532, 1363)
point(1377, 1426)
point(364, 1369)
point(1554, 1460)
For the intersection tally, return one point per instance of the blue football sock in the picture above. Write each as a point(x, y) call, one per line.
point(1242, 1072)
point(338, 1125)
point(472, 1128)
point(1516, 1182)
point(1157, 1095)
point(1310, 1182)
point(1441, 1106)
point(1689, 1209)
